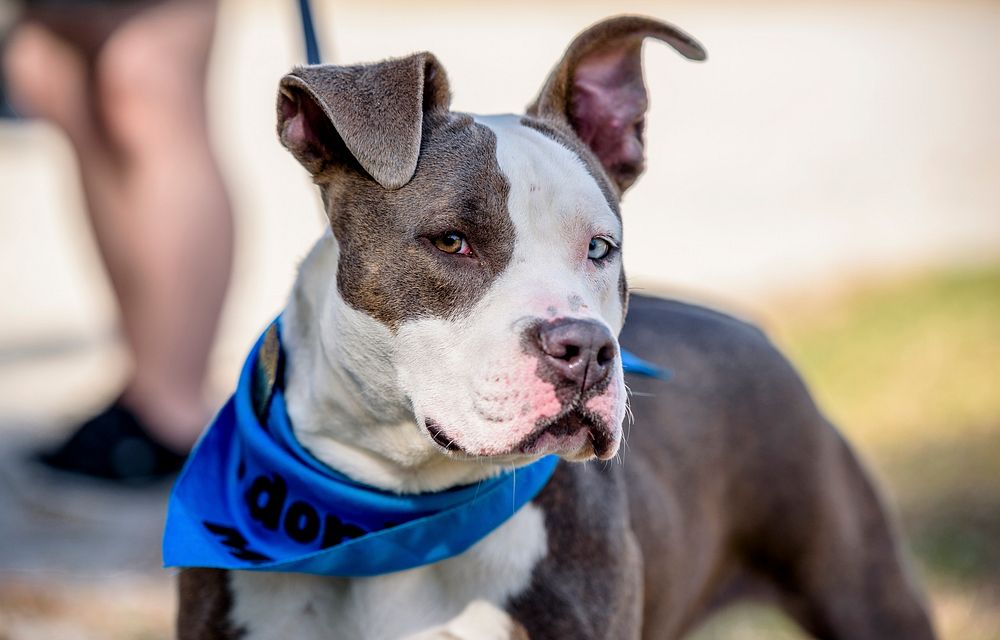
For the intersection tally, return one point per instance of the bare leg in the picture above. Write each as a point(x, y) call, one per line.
point(170, 250)
point(136, 117)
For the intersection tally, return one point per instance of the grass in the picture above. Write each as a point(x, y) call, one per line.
point(910, 370)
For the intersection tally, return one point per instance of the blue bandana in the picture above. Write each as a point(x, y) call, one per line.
point(252, 498)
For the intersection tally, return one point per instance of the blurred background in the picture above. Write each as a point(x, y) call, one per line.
point(831, 173)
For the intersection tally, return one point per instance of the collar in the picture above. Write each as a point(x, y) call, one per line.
point(252, 498)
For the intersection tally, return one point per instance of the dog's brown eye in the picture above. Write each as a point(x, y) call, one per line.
point(453, 242)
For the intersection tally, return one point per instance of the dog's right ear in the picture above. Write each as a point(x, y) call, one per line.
point(371, 115)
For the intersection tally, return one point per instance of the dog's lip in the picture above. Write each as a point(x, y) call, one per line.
point(439, 437)
point(451, 448)
point(569, 424)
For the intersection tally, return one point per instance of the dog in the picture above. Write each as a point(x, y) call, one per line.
point(464, 315)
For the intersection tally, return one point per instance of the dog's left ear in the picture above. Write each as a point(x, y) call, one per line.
point(597, 88)
point(365, 115)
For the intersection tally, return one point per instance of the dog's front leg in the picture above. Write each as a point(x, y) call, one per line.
point(480, 620)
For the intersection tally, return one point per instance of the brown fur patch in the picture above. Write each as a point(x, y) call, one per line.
point(733, 475)
point(388, 266)
point(371, 114)
point(205, 603)
point(396, 169)
point(588, 586)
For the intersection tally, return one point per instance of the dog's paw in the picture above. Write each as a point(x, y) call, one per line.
point(480, 620)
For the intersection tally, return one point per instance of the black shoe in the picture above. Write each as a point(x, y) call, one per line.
point(113, 445)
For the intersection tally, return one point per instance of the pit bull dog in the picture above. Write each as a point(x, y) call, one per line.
point(465, 315)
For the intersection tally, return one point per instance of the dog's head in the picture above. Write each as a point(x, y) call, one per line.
point(488, 249)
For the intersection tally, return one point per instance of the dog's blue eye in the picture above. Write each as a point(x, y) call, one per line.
point(599, 248)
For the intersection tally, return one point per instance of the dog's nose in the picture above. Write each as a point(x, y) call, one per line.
point(581, 351)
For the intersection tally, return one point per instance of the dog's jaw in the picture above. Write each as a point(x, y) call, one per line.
point(343, 400)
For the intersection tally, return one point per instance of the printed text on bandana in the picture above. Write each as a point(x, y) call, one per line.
point(269, 506)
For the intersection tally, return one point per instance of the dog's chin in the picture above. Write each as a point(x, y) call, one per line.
point(574, 435)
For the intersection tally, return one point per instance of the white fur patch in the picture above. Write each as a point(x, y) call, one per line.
point(305, 607)
point(480, 620)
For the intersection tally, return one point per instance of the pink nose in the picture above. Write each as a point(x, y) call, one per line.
point(580, 351)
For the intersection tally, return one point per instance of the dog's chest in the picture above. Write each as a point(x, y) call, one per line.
point(286, 605)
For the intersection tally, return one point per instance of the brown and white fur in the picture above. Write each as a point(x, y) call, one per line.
point(414, 368)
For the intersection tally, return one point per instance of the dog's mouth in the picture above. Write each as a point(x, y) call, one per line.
point(574, 435)
point(440, 438)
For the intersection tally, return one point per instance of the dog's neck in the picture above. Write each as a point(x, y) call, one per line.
point(343, 399)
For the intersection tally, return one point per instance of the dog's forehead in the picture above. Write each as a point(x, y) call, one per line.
point(553, 183)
